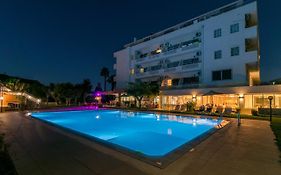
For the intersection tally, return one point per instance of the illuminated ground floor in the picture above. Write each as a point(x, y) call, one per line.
point(245, 97)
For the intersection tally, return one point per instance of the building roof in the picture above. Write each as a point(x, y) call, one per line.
point(200, 18)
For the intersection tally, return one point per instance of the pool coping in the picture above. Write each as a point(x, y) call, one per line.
point(159, 162)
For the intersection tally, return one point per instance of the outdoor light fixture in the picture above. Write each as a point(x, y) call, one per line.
point(270, 98)
point(98, 94)
point(1, 98)
point(158, 51)
point(194, 98)
point(241, 97)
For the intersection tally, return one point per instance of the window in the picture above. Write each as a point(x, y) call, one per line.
point(234, 28)
point(217, 54)
point(190, 61)
point(175, 82)
point(216, 75)
point(222, 75)
point(217, 33)
point(234, 51)
point(156, 67)
point(190, 80)
point(173, 64)
point(226, 74)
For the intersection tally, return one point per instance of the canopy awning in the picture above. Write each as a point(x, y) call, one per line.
point(212, 93)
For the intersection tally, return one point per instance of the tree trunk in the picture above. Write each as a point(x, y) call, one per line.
point(104, 87)
point(139, 100)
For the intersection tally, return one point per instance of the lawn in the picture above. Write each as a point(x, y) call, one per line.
point(276, 128)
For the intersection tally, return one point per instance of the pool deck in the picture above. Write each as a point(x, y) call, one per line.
point(38, 148)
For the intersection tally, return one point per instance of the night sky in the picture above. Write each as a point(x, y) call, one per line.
point(67, 40)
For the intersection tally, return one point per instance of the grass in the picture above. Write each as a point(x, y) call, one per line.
point(6, 165)
point(276, 128)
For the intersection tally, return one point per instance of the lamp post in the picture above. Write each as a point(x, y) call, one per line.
point(241, 99)
point(1, 98)
point(270, 98)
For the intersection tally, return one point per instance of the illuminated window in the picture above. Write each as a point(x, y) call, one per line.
point(169, 82)
point(132, 71)
point(141, 70)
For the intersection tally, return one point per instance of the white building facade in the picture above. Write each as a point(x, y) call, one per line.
point(217, 51)
point(219, 48)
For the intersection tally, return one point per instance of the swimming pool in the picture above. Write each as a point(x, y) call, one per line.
point(149, 134)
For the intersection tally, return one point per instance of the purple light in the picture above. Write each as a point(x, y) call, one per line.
point(97, 94)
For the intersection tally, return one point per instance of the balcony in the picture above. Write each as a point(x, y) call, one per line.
point(251, 44)
point(251, 20)
point(179, 83)
point(168, 48)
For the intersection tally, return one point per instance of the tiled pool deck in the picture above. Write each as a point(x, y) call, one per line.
point(37, 148)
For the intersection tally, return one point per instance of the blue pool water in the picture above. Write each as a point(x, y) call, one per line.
point(146, 133)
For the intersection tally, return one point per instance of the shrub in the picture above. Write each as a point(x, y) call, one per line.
point(254, 112)
point(190, 106)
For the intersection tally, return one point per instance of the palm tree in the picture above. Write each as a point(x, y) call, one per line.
point(111, 81)
point(104, 73)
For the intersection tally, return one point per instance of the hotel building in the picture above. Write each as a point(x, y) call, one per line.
point(211, 59)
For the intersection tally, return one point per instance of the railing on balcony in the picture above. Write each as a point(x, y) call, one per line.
point(167, 48)
point(251, 44)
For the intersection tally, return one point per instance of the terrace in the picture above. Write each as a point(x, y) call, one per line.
point(39, 148)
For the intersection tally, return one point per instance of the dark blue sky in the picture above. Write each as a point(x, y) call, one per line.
point(67, 40)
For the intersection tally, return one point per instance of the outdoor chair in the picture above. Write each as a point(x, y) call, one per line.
point(183, 108)
point(227, 111)
point(177, 108)
point(209, 109)
point(219, 110)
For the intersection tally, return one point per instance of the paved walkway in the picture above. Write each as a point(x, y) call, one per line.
point(38, 148)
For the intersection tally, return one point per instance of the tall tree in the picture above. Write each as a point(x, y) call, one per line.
point(86, 88)
point(104, 73)
point(16, 85)
point(141, 89)
point(111, 81)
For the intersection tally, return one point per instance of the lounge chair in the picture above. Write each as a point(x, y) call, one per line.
point(219, 110)
point(177, 108)
point(183, 108)
point(209, 109)
point(227, 111)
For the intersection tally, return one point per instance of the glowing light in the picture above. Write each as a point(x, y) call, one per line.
point(241, 97)
point(38, 100)
point(97, 94)
point(28, 114)
point(170, 132)
point(158, 51)
point(1, 98)
point(157, 117)
point(97, 117)
point(169, 82)
point(193, 97)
